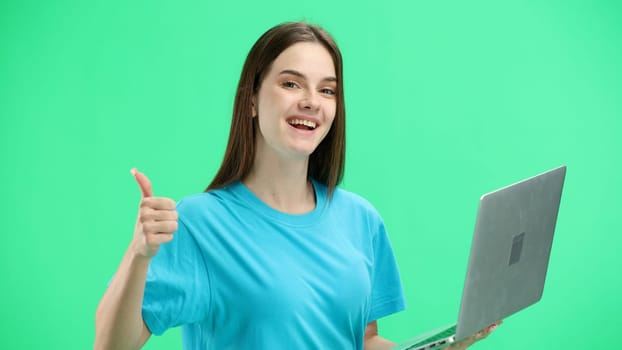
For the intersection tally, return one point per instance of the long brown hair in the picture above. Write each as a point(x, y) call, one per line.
point(326, 163)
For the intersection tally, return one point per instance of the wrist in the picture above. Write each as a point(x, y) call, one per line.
point(138, 254)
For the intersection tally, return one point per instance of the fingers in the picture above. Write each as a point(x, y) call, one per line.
point(468, 341)
point(148, 214)
point(157, 219)
point(158, 215)
point(159, 227)
point(481, 334)
point(493, 326)
point(158, 203)
point(158, 239)
point(486, 331)
point(143, 183)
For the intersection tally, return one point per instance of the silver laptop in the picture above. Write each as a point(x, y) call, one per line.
point(509, 257)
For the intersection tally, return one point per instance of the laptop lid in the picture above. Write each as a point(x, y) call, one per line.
point(510, 250)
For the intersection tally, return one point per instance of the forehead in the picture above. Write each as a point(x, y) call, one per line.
point(309, 58)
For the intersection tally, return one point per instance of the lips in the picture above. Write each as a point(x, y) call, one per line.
point(302, 123)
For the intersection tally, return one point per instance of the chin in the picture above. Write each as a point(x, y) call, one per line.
point(303, 150)
point(301, 153)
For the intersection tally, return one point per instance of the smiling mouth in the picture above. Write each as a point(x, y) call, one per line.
point(302, 124)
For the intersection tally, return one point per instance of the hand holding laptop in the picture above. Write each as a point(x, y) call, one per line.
point(468, 341)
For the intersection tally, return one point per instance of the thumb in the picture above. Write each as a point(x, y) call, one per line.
point(143, 183)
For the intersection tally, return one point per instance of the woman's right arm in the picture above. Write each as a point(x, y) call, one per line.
point(118, 322)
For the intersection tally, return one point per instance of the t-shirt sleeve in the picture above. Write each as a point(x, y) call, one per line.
point(177, 290)
point(387, 296)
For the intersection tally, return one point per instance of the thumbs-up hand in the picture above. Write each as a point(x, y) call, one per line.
point(157, 219)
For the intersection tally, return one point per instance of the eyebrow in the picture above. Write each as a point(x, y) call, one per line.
point(298, 74)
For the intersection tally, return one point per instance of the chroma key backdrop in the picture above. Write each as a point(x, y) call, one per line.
point(445, 101)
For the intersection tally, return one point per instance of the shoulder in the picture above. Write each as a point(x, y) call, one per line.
point(201, 203)
point(343, 196)
point(354, 202)
point(347, 197)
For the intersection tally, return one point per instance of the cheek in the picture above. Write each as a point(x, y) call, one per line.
point(330, 119)
point(331, 110)
point(271, 102)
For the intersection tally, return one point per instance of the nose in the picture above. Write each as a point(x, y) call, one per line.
point(309, 101)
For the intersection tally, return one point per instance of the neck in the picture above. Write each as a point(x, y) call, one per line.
point(281, 183)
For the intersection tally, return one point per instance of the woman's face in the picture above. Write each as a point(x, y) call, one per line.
point(296, 102)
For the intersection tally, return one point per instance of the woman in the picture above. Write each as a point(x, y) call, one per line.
point(273, 255)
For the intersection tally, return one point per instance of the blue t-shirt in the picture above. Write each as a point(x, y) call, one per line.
point(241, 275)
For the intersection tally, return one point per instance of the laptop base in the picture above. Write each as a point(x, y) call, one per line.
point(436, 339)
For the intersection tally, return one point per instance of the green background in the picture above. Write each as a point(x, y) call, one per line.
point(446, 100)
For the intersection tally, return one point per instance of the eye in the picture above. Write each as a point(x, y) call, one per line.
point(289, 84)
point(328, 91)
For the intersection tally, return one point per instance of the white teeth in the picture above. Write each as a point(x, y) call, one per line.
point(308, 123)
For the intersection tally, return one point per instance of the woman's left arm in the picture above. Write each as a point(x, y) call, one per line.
point(373, 341)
